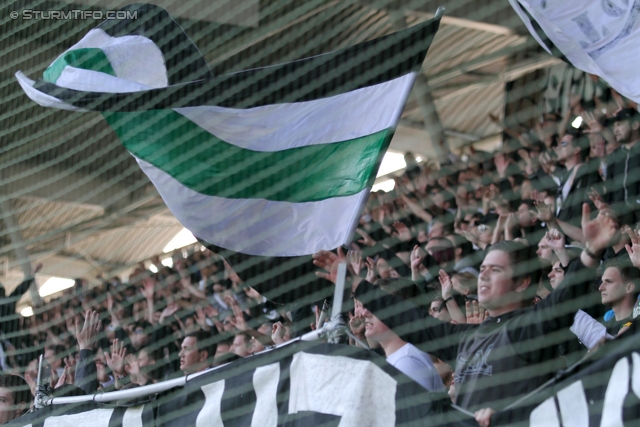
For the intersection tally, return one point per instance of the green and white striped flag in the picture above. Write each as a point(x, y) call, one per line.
point(276, 161)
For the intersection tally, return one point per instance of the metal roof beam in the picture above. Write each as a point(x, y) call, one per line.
point(95, 225)
point(465, 23)
point(511, 73)
point(422, 93)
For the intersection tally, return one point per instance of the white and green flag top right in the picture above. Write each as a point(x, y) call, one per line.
point(276, 161)
point(601, 37)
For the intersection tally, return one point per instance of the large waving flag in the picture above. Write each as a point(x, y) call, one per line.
point(276, 161)
point(601, 37)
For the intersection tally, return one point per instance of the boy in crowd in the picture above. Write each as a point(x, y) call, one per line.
point(15, 397)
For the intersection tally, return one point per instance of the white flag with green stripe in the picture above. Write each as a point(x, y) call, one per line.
point(276, 161)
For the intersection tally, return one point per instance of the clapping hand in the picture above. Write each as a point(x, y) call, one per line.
point(354, 256)
point(512, 221)
point(417, 256)
point(471, 236)
point(148, 285)
point(356, 323)
point(402, 231)
point(70, 365)
point(63, 379)
point(598, 232)
point(239, 323)
point(593, 122)
point(634, 249)
point(366, 238)
point(86, 335)
point(371, 270)
point(445, 283)
point(555, 240)
point(488, 194)
point(115, 361)
point(329, 262)
point(597, 199)
point(168, 311)
point(501, 164)
point(545, 212)
point(68, 373)
point(201, 318)
point(475, 313)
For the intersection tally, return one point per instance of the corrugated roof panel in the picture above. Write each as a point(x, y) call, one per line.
point(125, 245)
point(37, 217)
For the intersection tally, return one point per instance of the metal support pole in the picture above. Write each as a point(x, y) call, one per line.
point(336, 310)
point(422, 93)
point(19, 247)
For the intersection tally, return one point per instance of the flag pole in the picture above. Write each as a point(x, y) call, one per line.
point(43, 388)
point(323, 314)
point(338, 295)
point(335, 328)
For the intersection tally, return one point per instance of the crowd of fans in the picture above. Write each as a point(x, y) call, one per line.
point(482, 276)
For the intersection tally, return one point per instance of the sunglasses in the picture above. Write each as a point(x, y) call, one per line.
point(439, 309)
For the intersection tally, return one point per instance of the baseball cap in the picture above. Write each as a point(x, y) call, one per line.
point(627, 113)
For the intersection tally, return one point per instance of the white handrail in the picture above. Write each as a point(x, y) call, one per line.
point(131, 393)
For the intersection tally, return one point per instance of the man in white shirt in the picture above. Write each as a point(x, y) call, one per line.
point(405, 357)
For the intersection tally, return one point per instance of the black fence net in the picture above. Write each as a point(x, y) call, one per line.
point(180, 182)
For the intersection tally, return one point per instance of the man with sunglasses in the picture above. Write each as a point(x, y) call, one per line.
point(438, 309)
point(400, 353)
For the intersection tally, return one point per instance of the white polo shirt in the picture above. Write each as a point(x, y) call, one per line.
point(418, 366)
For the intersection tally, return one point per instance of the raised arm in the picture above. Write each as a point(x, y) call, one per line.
point(416, 262)
point(417, 209)
point(447, 296)
point(86, 368)
point(598, 234)
point(116, 362)
point(545, 214)
point(634, 248)
point(148, 291)
point(185, 280)
point(556, 241)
